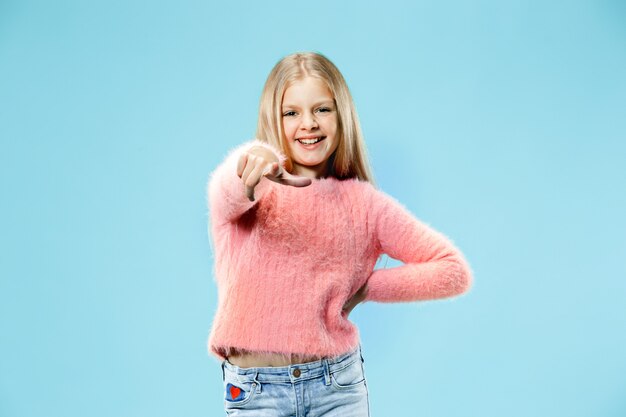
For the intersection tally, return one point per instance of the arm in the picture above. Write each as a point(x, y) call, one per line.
point(434, 267)
point(226, 190)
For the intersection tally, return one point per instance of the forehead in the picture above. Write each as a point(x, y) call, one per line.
point(307, 89)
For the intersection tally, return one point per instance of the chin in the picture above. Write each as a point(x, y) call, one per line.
point(310, 164)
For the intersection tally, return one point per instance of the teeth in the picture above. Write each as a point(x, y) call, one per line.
point(309, 141)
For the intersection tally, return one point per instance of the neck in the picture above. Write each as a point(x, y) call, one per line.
point(314, 172)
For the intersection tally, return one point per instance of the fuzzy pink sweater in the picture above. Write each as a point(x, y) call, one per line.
point(286, 263)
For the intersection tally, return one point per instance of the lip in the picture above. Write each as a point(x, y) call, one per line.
point(316, 145)
point(311, 137)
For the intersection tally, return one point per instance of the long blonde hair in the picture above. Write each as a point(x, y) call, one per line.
point(350, 159)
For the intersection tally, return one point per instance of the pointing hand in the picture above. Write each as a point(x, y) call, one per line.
point(260, 162)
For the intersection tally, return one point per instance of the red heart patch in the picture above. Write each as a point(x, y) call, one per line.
point(234, 392)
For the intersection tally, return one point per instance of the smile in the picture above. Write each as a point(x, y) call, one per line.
point(311, 141)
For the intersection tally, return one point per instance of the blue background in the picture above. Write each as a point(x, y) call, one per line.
point(501, 124)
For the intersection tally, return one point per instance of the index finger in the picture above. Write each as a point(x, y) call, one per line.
point(295, 181)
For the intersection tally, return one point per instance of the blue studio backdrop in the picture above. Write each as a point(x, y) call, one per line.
point(501, 124)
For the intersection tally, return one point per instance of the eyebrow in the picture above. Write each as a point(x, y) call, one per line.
point(329, 101)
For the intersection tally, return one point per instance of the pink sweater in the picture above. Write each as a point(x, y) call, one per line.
point(286, 263)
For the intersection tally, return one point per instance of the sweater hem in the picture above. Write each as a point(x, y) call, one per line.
point(221, 351)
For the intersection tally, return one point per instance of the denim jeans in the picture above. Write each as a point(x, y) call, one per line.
point(332, 387)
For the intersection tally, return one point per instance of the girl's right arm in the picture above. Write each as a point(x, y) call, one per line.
point(243, 178)
point(227, 196)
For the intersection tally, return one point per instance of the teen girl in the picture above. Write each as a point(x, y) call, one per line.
point(297, 226)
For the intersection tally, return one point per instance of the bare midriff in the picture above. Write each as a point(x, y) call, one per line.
point(254, 359)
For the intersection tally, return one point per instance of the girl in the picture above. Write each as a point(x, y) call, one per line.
point(297, 226)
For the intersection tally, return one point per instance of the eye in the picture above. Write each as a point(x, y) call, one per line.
point(289, 113)
point(324, 109)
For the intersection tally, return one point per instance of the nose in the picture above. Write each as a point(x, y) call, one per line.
point(308, 121)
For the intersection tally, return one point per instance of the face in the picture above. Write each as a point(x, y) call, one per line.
point(310, 115)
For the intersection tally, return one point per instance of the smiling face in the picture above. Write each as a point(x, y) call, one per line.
point(309, 115)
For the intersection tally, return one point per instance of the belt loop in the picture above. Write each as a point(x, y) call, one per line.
point(326, 371)
point(258, 384)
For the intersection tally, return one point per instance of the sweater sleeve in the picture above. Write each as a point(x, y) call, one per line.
point(433, 267)
point(226, 192)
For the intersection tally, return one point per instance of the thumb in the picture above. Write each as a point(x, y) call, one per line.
point(272, 170)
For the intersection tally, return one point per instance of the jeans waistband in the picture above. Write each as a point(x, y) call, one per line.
point(288, 373)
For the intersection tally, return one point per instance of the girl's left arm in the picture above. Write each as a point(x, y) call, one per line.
point(434, 266)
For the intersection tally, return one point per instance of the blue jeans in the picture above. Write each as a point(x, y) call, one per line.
point(332, 387)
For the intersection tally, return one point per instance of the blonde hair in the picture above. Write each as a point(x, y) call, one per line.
point(350, 159)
